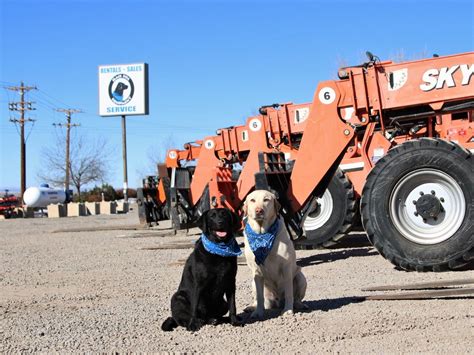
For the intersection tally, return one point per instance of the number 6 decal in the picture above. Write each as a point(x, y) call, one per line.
point(327, 95)
point(209, 144)
point(255, 125)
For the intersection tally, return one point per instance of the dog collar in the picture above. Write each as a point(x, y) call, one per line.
point(261, 243)
point(228, 249)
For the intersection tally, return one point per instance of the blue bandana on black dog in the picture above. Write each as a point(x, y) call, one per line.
point(223, 249)
point(261, 244)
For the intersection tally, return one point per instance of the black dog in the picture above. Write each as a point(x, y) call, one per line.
point(208, 276)
point(118, 92)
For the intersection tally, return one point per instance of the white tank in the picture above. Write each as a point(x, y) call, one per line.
point(43, 196)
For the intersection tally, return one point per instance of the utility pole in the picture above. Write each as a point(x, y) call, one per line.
point(68, 126)
point(22, 106)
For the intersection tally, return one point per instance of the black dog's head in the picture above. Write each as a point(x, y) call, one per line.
point(120, 88)
point(219, 224)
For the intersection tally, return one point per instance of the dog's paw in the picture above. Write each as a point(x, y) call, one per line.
point(300, 306)
point(213, 321)
point(236, 321)
point(287, 313)
point(194, 325)
point(257, 314)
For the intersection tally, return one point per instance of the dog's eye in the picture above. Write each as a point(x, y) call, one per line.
point(252, 200)
point(266, 199)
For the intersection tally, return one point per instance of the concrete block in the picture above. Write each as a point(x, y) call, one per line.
point(57, 210)
point(92, 208)
point(76, 210)
point(122, 207)
point(108, 207)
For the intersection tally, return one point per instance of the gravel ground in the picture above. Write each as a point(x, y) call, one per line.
point(109, 290)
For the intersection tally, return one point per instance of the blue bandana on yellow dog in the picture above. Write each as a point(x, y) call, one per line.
point(261, 244)
point(231, 248)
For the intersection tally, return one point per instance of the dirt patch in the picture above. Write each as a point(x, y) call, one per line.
point(109, 290)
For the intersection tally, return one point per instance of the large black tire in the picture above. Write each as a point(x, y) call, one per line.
point(418, 205)
point(334, 216)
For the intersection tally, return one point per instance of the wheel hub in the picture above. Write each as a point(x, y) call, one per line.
point(316, 210)
point(428, 206)
point(321, 212)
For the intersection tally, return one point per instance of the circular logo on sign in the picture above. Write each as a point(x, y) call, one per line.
point(209, 144)
point(121, 89)
point(172, 154)
point(327, 95)
point(255, 125)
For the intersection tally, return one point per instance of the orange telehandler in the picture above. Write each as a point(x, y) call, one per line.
point(403, 131)
point(218, 156)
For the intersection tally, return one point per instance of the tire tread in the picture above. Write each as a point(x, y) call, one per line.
point(367, 218)
point(347, 224)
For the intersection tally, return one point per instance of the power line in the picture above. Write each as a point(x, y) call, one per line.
point(51, 97)
point(46, 103)
point(6, 82)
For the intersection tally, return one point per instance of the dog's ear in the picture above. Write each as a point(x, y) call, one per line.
point(236, 224)
point(202, 222)
point(275, 193)
point(277, 205)
point(245, 208)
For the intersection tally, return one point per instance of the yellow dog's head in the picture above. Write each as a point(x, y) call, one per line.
point(261, 205)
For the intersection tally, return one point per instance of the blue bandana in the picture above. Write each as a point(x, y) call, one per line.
point(261, 244)
point(223, 249)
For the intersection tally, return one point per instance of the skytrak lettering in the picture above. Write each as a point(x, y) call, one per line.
point(435, 79)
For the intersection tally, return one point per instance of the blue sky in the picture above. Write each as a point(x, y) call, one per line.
point(211, 63)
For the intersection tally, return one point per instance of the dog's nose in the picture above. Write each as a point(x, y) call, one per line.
point(258, 210)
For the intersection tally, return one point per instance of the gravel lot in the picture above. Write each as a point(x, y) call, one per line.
point(109, 290)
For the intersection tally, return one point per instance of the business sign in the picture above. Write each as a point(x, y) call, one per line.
point(123, 89)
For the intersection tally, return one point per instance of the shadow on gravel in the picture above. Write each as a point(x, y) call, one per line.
point(269, 314)
point(352, 241)
point(320, 305)
point(335, 255)
point(331, 304)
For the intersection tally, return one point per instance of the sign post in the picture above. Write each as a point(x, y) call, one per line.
point(123, 91)
point(124, 156)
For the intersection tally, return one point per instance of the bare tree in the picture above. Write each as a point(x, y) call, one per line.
point(89, 162)
point(401, 55)
point(156, 155)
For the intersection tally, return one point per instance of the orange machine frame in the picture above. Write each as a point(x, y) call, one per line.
point(371, 93)
point(347, 123)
